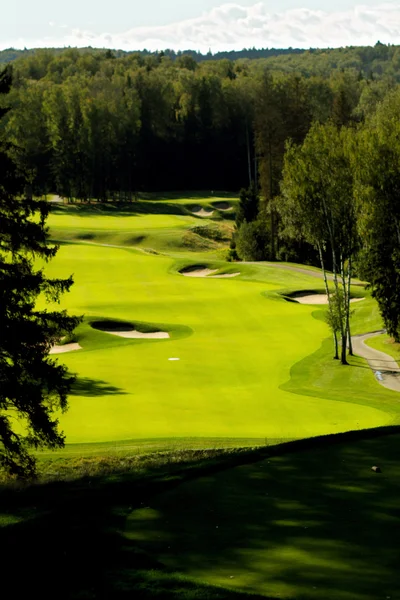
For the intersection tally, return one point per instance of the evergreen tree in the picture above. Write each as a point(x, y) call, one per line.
point(32, 386)
point(248, 208)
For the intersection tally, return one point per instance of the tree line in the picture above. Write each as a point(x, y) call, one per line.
point(340, 192)
point(93, 125)
point(371, 61)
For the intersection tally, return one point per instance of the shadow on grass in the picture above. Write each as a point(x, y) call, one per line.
point(67, 539)
point(119, 209)
point(85, 386)
point(307, 525)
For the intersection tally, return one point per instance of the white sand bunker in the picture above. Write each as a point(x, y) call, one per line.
point(65, 348)
point(204, 272)
point(224, 275)
point(134, 334)
point(317, 299)
point(201, 212)
point(127, 330)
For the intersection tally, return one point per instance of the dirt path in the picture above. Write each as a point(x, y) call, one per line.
point(386, 369)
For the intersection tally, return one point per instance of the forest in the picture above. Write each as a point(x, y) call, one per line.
point(89, 124)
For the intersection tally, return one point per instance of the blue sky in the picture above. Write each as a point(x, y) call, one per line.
point(198, 24)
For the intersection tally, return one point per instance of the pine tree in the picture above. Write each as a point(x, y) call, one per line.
point(32, 386)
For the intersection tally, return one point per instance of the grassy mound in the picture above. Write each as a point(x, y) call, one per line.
point(222, 205)
point(112, 326)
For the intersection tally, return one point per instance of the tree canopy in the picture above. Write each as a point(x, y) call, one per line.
point(33, 387)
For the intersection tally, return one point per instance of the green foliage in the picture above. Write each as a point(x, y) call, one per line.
point(335, 316)
point(212, 232)
point(110, 127)
point(249, 204)
point(32, 386)
point(253, 241)
point(317, 204)
point(376, 166)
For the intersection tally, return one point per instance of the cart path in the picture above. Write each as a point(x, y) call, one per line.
point(385, 368)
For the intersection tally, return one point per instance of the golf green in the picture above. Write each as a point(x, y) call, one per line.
point(237, 342)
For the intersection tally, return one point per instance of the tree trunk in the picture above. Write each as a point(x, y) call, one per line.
point(343, 331)
point(335, 340)
point(331, 228)
point(346, 318)
point(348, 308)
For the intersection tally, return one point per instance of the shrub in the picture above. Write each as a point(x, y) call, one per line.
point(253, 241)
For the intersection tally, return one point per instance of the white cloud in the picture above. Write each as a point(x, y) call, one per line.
point(232, 26)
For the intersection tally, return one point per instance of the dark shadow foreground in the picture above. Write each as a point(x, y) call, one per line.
point(68, 539)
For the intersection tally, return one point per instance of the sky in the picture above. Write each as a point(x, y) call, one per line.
point(198, 24)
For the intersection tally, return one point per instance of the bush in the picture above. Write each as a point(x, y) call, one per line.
point(211, 232)
point(253, 241)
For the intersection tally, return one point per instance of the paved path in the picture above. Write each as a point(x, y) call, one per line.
point(386, 369)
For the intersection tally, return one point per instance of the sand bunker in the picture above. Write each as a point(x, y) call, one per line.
point(316, 299)
point(204, 272)
point(199, 272)
point(222, 206)
point(224, 275)
point(200, 211)
point(127, 330)
point(65, 348)
point(134, 334)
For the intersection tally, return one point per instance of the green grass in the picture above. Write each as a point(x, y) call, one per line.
point(304, 521)
point(166, 228)
point(316, 524)
point(235, 390)
point(152, 497)
point(251, 364)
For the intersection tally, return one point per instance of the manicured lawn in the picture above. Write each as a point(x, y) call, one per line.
point(239, 345)
point(316, 524)
point(150, 504)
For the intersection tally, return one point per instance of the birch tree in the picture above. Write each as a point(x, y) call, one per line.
point(317, 206)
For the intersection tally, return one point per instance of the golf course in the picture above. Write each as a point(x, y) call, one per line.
point(200, 303)
point(214, 449)
point(235, 358)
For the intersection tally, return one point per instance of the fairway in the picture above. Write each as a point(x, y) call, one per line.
point(312, 524)
point(237, 341)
